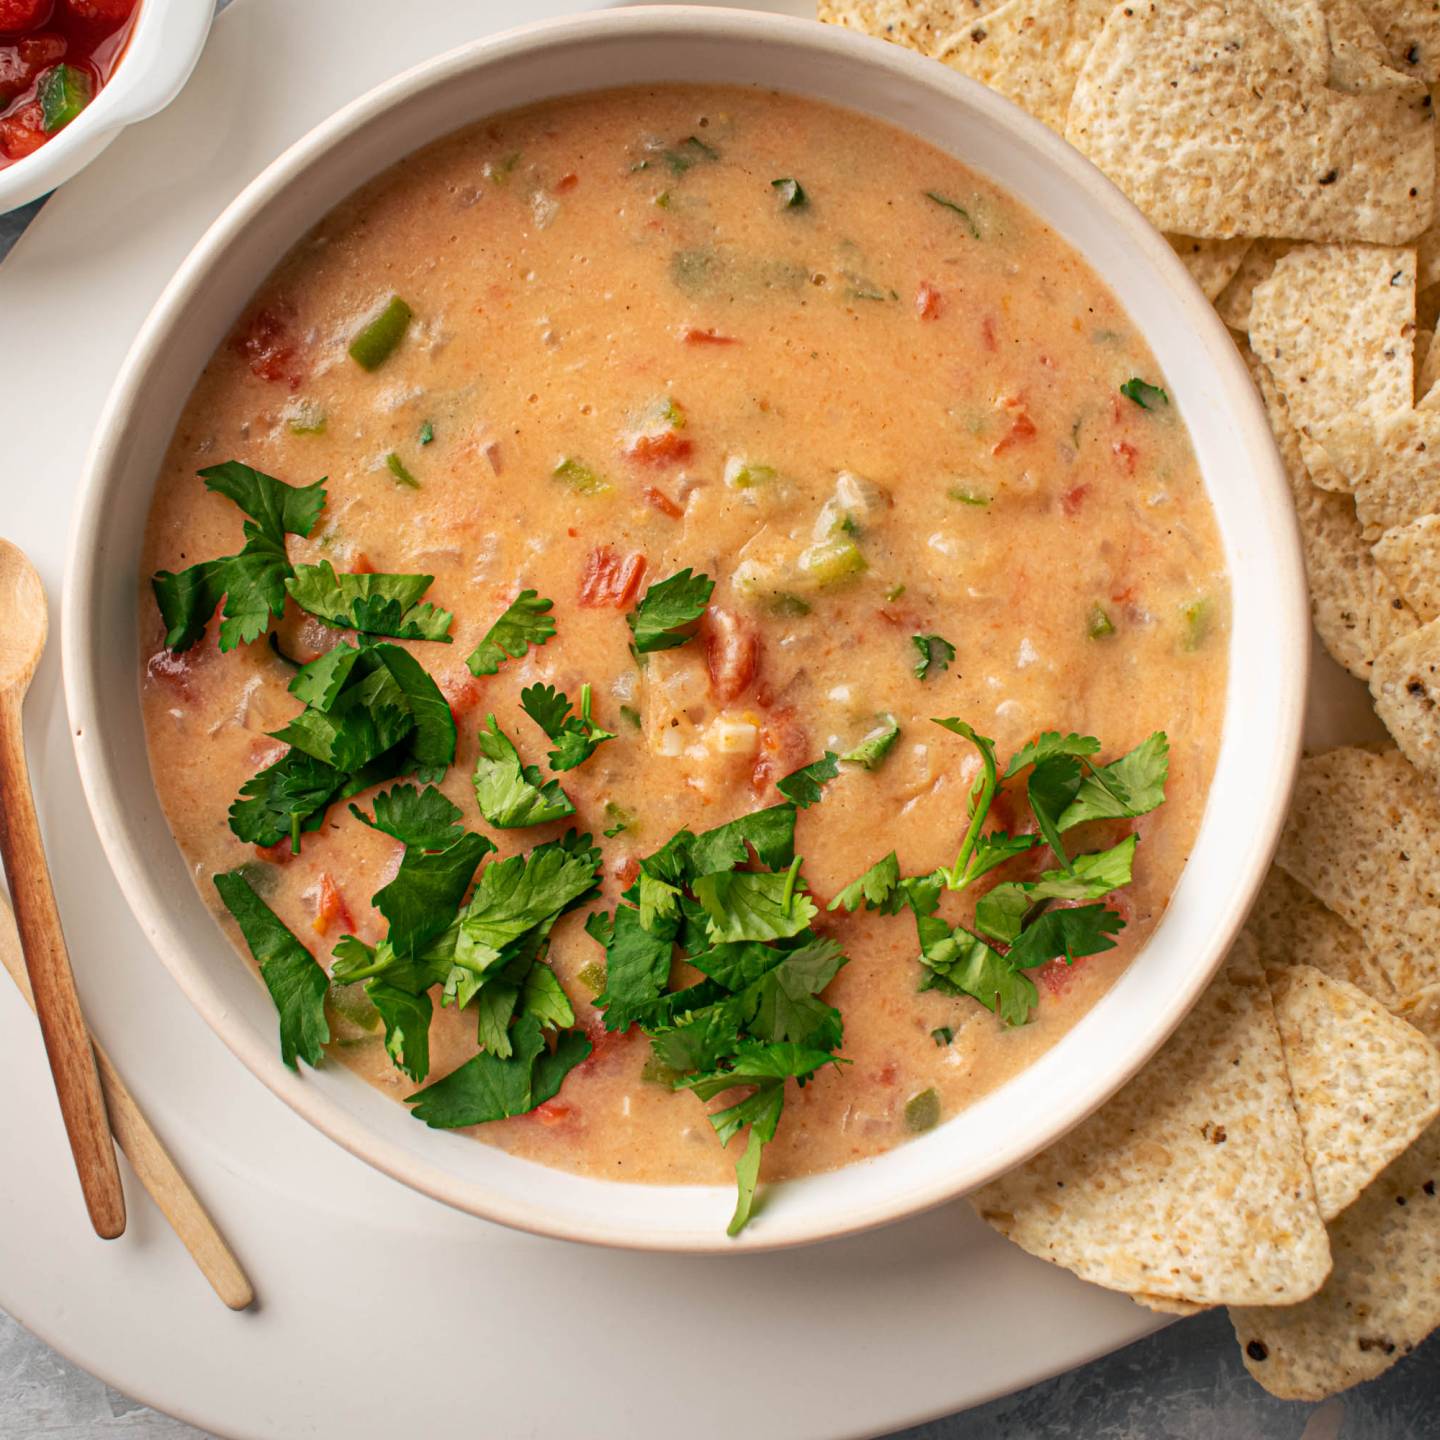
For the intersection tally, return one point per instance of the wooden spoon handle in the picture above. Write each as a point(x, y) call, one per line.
point(157, 1171)
point(67, 1042)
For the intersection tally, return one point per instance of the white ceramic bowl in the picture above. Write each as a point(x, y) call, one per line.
point(1242, 471)
point(164, 45)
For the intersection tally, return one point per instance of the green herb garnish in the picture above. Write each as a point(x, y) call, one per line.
point(427, 432)
point(936, 653)
point(875, 745)
point(959, 210)
point(396, 466)
point(661, 620)
point(372, 604)
point(804, 786)
point(510, 794)
point(792, 196)
point(1144, 394)
point(576, 737)
point(525, 622)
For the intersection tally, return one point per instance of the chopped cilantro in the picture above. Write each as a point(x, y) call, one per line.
point(955, 209)
point(936, 653)
point(660, 620)
point(1132, 785)
point(805, 786)
point(512, 795)
point(875, 745)
point(294, 978)
point(371, 604)
point(427, 433)
point(576, 737)
point(1144, 394)
point(792, 196)
point(942, 1035)
point(524, 622)
point(396, 466)
point(251, 582)
point(874, 889)
point(749, 905)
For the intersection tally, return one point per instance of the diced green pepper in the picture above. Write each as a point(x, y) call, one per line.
point(352, 1005)
point(376, 340)
point(396, 466)
point(792, 197)
point(1196, 618)
point(592, 977)
point(830, 562)
point(619, 817)
point(306, 419)
point(787, 606)
point(968, 495)
point(580, 477)
point(894, 592)
point(922, 1111)
point(1099, 624)
point(64, 91)
point(745, 474)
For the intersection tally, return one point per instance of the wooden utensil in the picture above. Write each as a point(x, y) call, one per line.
point(152, 1162)
point(24, 625)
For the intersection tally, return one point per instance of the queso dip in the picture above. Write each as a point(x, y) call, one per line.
point(655, 340)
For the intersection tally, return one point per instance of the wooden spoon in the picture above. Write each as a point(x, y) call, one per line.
point(156, 1170)
point(24, 625)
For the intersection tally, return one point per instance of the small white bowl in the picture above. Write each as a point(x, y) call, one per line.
point(1268, 648)
point(165, 43)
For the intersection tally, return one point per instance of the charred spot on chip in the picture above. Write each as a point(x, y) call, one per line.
point(978, 34)
point(1329, 177)
point(1375, 1342)
point(1428, 1187)
point(1257, 1350)
point(1412, 55)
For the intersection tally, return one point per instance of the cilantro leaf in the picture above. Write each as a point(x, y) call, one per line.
point(1047, 744)
point(369, 718)
point(523, 623)
point(283, 799)
point(1144, 394)
point(544, 997)
point(1132, 785)
point(512, 795)
point(576, 737)
point(372, 604)
point(432, 746)
point(936, 653)
point(771, 832)
point(637, 964)
point(1084, 930)
point(875, 745)
point(423, 818)
point(1000, 914)
point(753, 905)
point(804, 786)
point(961, 963)
point(295, 980)
point(761, 1111)
point(251, 582)
point(755, 1063)
point(982, 792)
point(487, 1087)
point(427, 890)
point(320, 684)
point(873, 890)
point(407, 1026)
point(658, 622)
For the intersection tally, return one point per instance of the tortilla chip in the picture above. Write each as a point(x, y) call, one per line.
point(1381, 1301)
point(1191, 1184)
point(1358, 61)
point(1161, 1306)
point(1206, 117)
point(1356, 609)
point(1364, 838)
point(1410, 32)
point(1427, 367)
point(1233, 302)
point(1405, 685)
point(1422, 1010)
point(1335, 326)
point(919, 24)
point(1410, 556)
point(1391, 465)
point(1427, 307)
point(1365, 1083)
point(1291, 927)
point(1213, 263)
point(1030, 51)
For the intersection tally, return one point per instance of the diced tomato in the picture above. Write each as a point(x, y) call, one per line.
point(331, 907)
point(278, 854)
point(21, 63)
point(109, 12)
point(266, 343)
point(566, 183)
point(1073, 500)
point(732, 653)
point(22, 133)
point(783, 747)
point(610, 579)
point(20, 15)
point(361, 565)
point(604, 1043)
point(1057, 975)
point(492, 453)
point(887, 1074)
point(661, 502)
point(668, 447)
point(1127, 455)
point(1121, 597)
point(988, 334)
point(626, 869)
point(693, 336)
point(553, 1112)
point(929, 302)
point(1022, 427)
point(461, 692)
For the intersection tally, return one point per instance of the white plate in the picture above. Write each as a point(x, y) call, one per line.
point(383, 1313)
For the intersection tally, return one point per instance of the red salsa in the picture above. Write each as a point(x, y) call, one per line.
point(54, 57)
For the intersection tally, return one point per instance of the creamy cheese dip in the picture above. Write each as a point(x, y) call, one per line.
point(892, 409)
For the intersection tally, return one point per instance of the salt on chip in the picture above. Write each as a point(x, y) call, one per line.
point(1356, 608)
point(1030, 51)
point(1392, 466)
point(1410, 556)
point(1213, 263)
point(1381, 1300)
point(1234, 301)
point(1291, 927)
point(1365, 1083)
point(1405, 685)
point(1203, 114)
point(1364, 837)
point(1191, 1184)
point(1335, 326)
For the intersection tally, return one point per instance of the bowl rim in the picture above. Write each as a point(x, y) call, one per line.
point(1290, 640)
point(163, 48)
